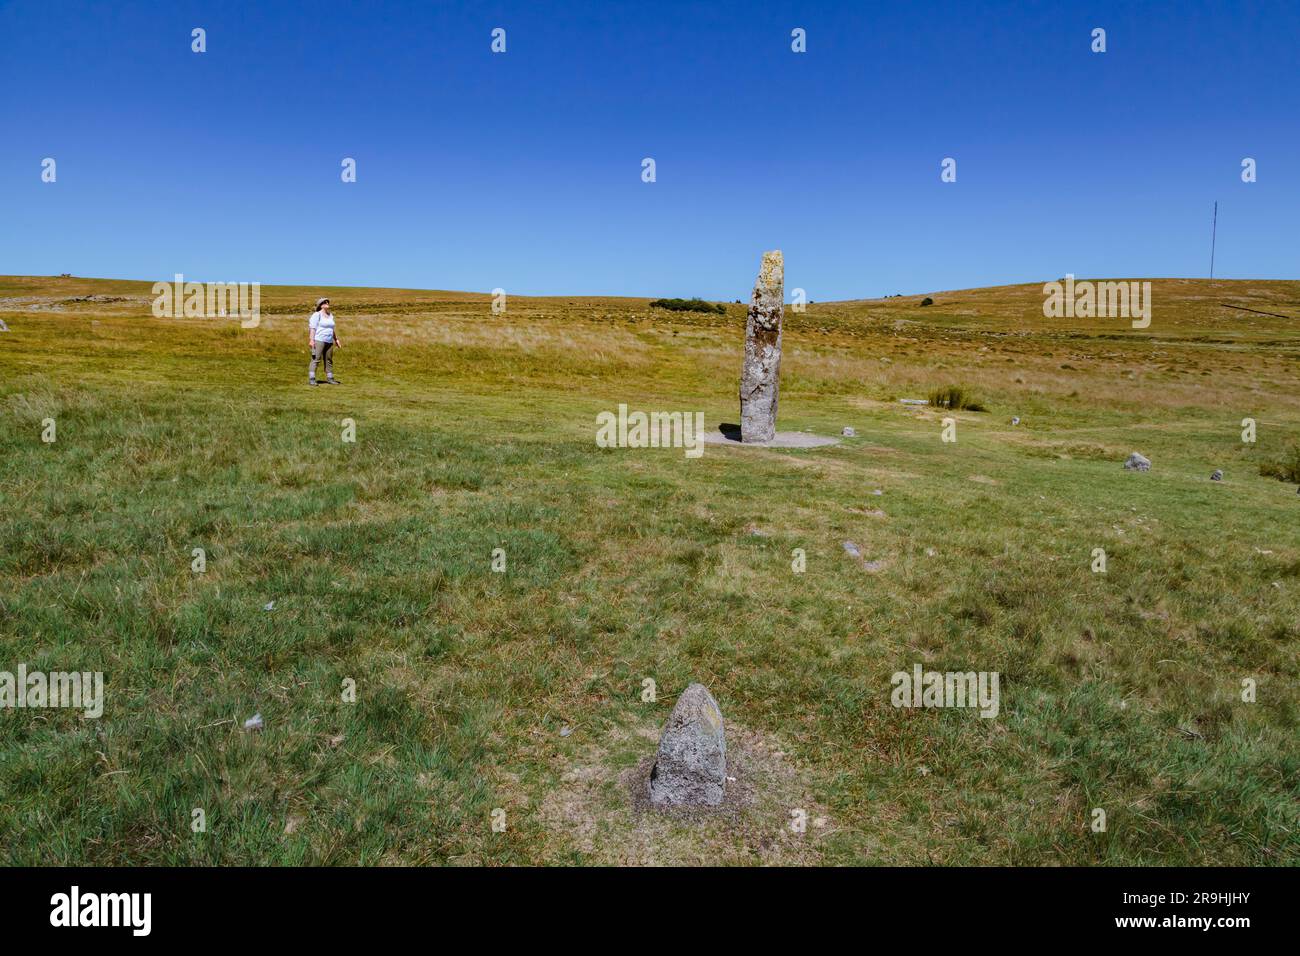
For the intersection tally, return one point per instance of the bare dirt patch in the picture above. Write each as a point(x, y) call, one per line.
point(730, 435)
point(605, 813)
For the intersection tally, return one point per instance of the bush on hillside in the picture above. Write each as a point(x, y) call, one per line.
point(956, 398)
point(1284, 468)
point(688, 305)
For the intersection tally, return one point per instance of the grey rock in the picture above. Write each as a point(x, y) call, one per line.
point(254, 724)
point(1015, 420)
point(691, 767)
point(1137, 462)
point(851, 549)
point(565, 731)
point(1217, 476)
point(849, 432)
point(760, 374)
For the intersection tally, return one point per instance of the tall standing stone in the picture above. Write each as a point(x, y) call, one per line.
point(762, 368)
point(691, 767)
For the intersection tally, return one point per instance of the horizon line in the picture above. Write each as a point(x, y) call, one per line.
point(577, 295)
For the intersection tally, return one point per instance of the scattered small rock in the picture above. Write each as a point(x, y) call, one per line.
point(1015, 420)
point(254, 724)
point(1217, 476)
point(851, 550)
point(848, 432)
point(930, 552)
point(877, 492)
point(268, 606)
point(565, 731)
point(1137, 462)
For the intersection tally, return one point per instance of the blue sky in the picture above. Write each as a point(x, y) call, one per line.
point(523, 170)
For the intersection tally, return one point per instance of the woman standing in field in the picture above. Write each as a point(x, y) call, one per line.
point(321, 339)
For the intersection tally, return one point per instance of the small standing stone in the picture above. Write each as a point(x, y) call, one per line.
point(691, 767)
point(1137, 462)
point(760, 374)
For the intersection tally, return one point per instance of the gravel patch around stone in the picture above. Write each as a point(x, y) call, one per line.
point(725, 435)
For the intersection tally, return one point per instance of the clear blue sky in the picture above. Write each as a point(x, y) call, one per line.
point(523, 170)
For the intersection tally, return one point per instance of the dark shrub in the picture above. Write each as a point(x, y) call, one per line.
point(688, 305)
point(956, 398)
point(1285, 468)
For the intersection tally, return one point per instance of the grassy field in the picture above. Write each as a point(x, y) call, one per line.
point(1120, 691)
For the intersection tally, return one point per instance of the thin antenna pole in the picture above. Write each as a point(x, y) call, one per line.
point(1214, 233)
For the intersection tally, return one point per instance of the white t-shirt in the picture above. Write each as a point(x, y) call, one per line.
point(322, 326)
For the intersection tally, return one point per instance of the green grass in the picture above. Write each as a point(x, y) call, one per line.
point(476, 431)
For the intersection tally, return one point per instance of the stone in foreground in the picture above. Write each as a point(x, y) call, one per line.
point(1137, 462)
point(761, 371)
point(691, 767)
